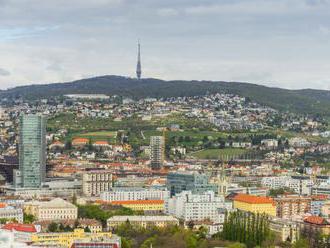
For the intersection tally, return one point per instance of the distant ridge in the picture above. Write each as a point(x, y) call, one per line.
point(301, 101)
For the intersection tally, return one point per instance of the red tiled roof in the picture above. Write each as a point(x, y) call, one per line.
point(101, 142)
point(80, 140)
point(315, 220)
point(137, 202)
point(319, 197)
point(20, 227)
point(252, 199)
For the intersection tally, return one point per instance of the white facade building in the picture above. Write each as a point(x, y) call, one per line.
point(11, 213)
point(196, 207)
point(131, 194)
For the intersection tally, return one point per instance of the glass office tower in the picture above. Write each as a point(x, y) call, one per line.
point(32, 150)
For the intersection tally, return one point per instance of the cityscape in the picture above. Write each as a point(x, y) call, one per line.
point(139, 162)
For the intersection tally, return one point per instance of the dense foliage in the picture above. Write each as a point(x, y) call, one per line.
point(302, 101)
point(248, 228)
point(102, 213)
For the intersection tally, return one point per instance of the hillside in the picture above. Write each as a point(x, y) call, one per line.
point(301, 101)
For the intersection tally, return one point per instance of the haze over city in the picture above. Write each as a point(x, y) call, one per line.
point(281, 43)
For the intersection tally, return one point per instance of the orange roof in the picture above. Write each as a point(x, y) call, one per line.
point(20, 227)
point(137, 202)
point(80, 140)
point(3, 205)
point(316, 220)
point(101, 142)
point(319, 197)
point(252, 199)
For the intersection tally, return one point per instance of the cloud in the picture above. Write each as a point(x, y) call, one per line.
point(4, 72)
point(274, 42)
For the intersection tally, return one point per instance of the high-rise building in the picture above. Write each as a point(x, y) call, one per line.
point(138, 66)
point(32, 150)
point(94, 182)
point(157, 151)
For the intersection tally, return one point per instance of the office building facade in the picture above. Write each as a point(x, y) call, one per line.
point(32, 151)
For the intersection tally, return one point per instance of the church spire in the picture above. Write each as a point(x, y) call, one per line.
point(138, 66)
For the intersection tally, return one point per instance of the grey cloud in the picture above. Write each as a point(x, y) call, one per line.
point(4, 72)
point(275, 42)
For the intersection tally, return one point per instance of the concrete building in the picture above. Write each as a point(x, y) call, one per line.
point(318, 201)
point(321, 189)
point(291, 206)
point(10, 213)
point(142, 205)
point(129, 194)
point(285, 230)
point(196, 207)
point(56, 209)
point(188, 181)
point(32, 151)
point(255, 204)
point(157, 152)
point(142, 221)
point(94, 182)
point(68, 239)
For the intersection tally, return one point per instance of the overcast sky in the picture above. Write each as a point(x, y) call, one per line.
point(284, 43)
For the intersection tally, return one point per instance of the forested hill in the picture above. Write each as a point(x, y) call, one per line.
point(302, 101)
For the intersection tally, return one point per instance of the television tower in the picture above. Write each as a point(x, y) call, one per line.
point(138, 66)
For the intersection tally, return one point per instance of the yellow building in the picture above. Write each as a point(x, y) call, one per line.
point(255, 204)
point(142, 205)
point(67, 238)
point(142, 221)
point(56, 209)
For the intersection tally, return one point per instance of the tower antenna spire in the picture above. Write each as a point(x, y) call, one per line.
point(138, 66)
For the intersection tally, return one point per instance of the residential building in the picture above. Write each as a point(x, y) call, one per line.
point(131, 194)
point(286, 230)
point(143, 221)
point(321, 189)
point(11, 213)
point(94, 182)
point(289, 206)
point(79, 142)
point(157, 152)
point(142, 205)
point(317, 224)
point(101, 242)
point(317, 203)
point(188, 181)
point(22, 232)
point(56, 209)
point(196, 207)
point(255, 204)
point(32, 151)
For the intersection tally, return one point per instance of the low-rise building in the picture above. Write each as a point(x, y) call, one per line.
point(255, 204)
point(11, 213)
point(142, 205)
point(22, 232)
point(56, 209)
point(132, 194)
point(68, 239)
point(142, 221)
point(285, 230)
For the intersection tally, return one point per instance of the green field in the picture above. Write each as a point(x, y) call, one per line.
point(106, 134)
point(218, 153)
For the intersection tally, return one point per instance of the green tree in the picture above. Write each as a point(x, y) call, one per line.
point(28, 218)
point(52, 227)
